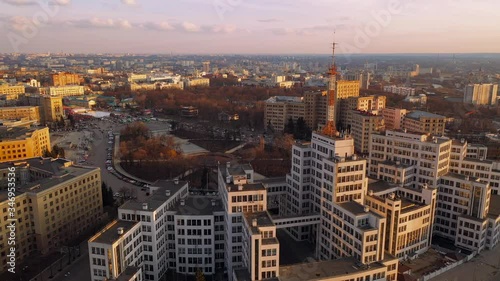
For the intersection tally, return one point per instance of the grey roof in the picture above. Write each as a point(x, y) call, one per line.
point(110, 234)
point(15, 133)
point(380, 186)
point(272, 180)
point(494, 210)
point(158, 197)
point(128, 273)
point(263, 219)
point(324, 270)
point(199, 205)
point(417, 114)
point(353, 207)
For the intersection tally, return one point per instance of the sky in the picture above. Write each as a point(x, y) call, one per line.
point(249, 26)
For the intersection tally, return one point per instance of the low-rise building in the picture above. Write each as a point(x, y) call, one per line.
point(17, 143)
point(424, 122)
point(20, 112)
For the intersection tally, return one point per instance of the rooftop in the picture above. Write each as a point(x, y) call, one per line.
point(263, 219)
point(199, 205)
point(284, 99)
point(159, 196)
point(381, 186)
point(323, 270)
point(16, 133)
point(494, 210)
point(417, 114)
point(128, 273)
point(356, 208)
point(109, 234)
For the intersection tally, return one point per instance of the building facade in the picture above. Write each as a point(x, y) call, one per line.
point(20, 112)
point(65, 78)
point(393, 117)
point(481, 94)
point(361, 125)
point(56, 202)
point(17, 143)
point(424, 122)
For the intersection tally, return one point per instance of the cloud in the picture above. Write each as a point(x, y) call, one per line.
point(101, 23)
point(305, 31)
point(161, 26)
point(190, 27)
point(35, 2)
point(19, 23)
point(223, 29)
point(269, 20)
point(129, 2)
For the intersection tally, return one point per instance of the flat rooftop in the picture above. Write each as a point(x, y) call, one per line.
point(381, 186)
point(284, 99)
point(272, 180)
point(263, 219)
point(158, 197)
point(417, 114)
point(110, 234)
point(494, 210)
point(199, 205)
point(15, 133)
point(323, 270)
point(128, 273)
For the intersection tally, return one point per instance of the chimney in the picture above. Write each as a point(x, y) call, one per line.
point(240, 187)
point(366, 209)
point(120, 230)
point(392, 196)
point(176, 181)
point(254, 222)
point(213, 202)
point(228, 179)
point(144, 206)
point(167, 192)
point(183, 202)
point(370, 192)
point(462, 140)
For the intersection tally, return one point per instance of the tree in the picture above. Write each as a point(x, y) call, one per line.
point(199, 275)
point(302, 131)
point(107, 195)
point(204, 178)
point(290, 127)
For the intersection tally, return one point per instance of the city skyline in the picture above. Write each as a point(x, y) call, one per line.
point(243, 27)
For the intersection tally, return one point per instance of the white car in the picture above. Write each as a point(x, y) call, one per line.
point(110, 142)
point(108, 161)
point(110, 168)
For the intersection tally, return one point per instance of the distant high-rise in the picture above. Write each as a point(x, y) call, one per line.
point(206, 66)
point(481, 94)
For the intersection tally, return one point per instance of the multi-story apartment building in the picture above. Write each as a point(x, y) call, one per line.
point(362, 124)
point(64, 91)
point(19, 112)
point(372, 104)
point(470, 160)
point(248, 225)
point(315, 111)
point(481, 94)
point(65, 78)
point(462, 211)
point(404, 91)
point(11, 93)
point(279, 109)
point(424, 122)
point(196, 82)
point(465, 184)
point(56, 202)
point(405, 153)
point(393, 117)
point(18, 143)
point(409, 213)
point(143, 236)
point(51, 108)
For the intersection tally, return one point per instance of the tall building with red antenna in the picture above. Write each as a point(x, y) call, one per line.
point(330, 128)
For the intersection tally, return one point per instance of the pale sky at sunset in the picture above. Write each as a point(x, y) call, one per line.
point(249, 26)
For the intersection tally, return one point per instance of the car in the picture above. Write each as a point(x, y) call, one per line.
point(117, 194)
point(131, 181)
point(110, 168)
point(110, 142)
point(108, 161)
